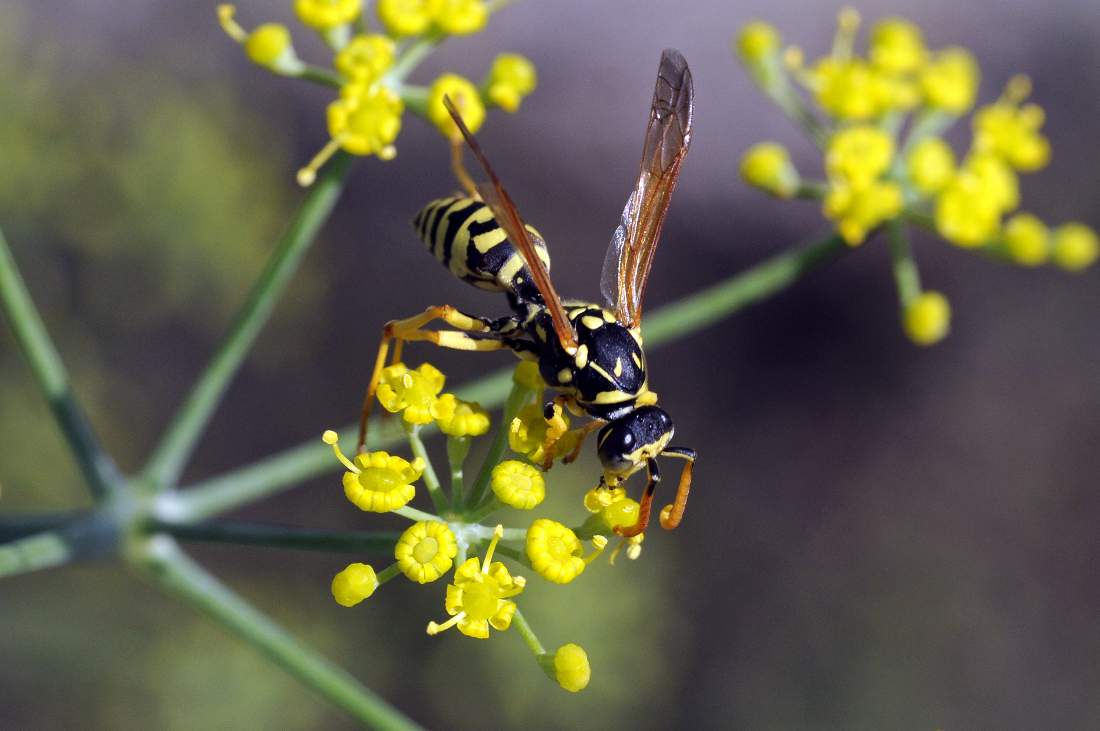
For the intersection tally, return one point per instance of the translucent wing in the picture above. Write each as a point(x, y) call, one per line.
point(505, 213)
point(666, 142)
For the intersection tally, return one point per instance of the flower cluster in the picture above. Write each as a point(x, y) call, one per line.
point(483, 592)
point(879, 121)
point(370, 66)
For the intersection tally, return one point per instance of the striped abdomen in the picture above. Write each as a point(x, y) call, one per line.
point(463, 235)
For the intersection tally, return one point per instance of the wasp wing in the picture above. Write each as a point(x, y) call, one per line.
point(504, 211)
point(666, 142)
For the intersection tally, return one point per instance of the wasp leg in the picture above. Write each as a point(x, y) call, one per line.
point(672, 514)
point(552, 412)
point(646, 503)
point(459, 169)
point(411, 328)
point(585, 431)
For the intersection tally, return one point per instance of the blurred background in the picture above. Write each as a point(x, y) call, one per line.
point(881, 536)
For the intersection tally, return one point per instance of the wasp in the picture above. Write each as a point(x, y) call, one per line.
point(591, 355)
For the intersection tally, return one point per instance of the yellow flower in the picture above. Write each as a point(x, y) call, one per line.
point(569, 667)
point(426, 551)
point(518, 484)
point(931, 164)
point(365, 58)
point(461, 17)
point(859, 154)
point(857, 211)
point(326, 14)
point(1012, 131)
point(966, 214)
point(511, 78)
point(407, 17)
point(897, 46)
point(354, 584)
point(268, 45)
point(466, 99)
point(365, 119)
point(1026, 239)
point(377, 482)
point(850, 88)
point(950, 81)
point(758, 41)
point(768, 166)
point(996, 178)
point(613, 508)
point(556, 553)
point(527, 375)
point(480, 596)
point(458, 418)
point(927, 318)
point(529, 432)
point(413, 393)
point(1075, 246)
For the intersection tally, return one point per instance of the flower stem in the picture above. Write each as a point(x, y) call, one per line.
point(527, 634)
point(170, 569)
point(484, 510)
point(30, 333)
point(417, 51)
point(319, 75)
point(431, 480)
point(33, 553)
point(457, 450)
point(279, 536)
point(179, 440)
point(517, 397)
point(906, 275)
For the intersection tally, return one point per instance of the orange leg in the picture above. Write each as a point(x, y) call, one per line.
point(645, 505)
point(672, 514)
point(585, 431)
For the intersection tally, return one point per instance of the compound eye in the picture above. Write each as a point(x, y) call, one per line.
point(615, 442)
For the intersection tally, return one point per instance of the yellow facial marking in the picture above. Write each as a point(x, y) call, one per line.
point(637, 359)
point(618, 367)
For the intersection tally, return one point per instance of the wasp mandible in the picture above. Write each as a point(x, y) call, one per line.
point(591, 355)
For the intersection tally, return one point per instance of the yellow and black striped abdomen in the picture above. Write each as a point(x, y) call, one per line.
point(463, 235)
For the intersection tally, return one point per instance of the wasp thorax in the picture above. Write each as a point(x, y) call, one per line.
point(627, 442)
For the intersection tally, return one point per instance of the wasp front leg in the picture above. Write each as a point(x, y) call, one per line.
point(492, 336)
point(645, 506)
point(672, 514)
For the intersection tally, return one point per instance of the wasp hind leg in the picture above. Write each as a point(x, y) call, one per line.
point(398, 332)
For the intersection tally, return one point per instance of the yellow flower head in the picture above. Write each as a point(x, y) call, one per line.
point(518, 484)
point(529, 432)
point(1075, 246)
point(556, 553)
point(950, 81)
point(1026, 239)
point(354, 584)
point(511, 78)
point(859, 154)
point(461, 17)
point(268, 45)
point(897, 46)
point(481, 596)
point(326, 14)
point(426, 551)
point(458, 418)
point(365, 58)
point(850, 88)
point(927, 319)
point(966, 213)
point(857, 211)
point(413, 393)
point(931, 165)
point(758, 41)
point(466, 99)
point(1011, 131)
point(767, 166)
point(527, 375)
point(377, 482)
point(569, 667)
point(407, 17)
point(365, 119)
point(612, 506)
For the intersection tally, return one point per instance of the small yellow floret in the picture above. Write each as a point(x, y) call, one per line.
point(511, 78)
point(859, 154)
point(850, 88)
point(1075, 246)
point(556, 553)
point(931, 164)
point(366, 119)
point(426, 551)
point(326, 14)
point(529, 433)
point(354, 584)
point(856, 211)
point(458, 418)
point(767, 166)
point(518, 484)
point(413, 393)
point(379, 482)
point(897, 46)
point(757, 41)
point(268, 44)
point(927, 319)
point(466, 99)
point(366, 57)
point(1026, 239)
point(571, 668)
point(461, 17)
point(950, 81)
point(407, 17)
point(481, 596)
point(1012, 132)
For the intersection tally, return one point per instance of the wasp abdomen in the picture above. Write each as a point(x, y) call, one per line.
point(462, 234)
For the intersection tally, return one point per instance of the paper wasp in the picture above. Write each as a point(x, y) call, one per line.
point(590, 354)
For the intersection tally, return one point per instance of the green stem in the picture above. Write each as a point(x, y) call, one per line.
point(17, 526)
point(285, 469)
point(319, 75)
point(415, 98)
point(30, 332)
point(517, 398)
point(528, 634)
point(417, 515)
point(906, 275)
point(431, 480)
point(279, 536)
point(33, 553)
point(412, 57)
point(484, 510)
point(515, 554)
point(458, 448)
point(167, 461)
point(171, 570)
